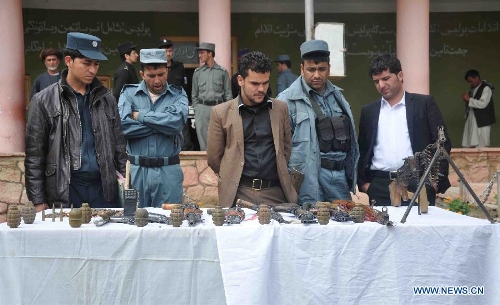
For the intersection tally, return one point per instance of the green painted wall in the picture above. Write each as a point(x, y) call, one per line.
point(459, 41)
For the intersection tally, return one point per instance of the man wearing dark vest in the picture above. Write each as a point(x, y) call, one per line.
point(324, 145)
point(479, 120)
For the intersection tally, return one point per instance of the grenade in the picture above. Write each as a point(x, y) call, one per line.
point(323, 214)
point(141, 217)
point(264, 214)
point(28, 212)
point(357, 213)
point(177, 216)
point(13, 216)
point(218, 216)
point(86, 213)
point(75, 218)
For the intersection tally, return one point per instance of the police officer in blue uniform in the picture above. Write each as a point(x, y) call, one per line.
point(285, 76)
point(152, 115)
point(324, 145)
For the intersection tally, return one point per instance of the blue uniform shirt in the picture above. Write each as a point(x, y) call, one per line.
point(157, 131)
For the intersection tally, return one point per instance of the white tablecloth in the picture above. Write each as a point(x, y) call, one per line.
point(52, 263)
point(341, 263)
point(347, 263)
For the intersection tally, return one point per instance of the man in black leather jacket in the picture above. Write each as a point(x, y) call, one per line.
point(74, 141)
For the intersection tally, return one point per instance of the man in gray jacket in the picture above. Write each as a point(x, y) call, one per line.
point(74, 140)
point(324, 145)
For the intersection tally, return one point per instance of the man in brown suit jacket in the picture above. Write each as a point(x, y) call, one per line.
point(249, 140)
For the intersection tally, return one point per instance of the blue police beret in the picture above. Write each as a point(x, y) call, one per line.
point(314, 46)
point(283, 57)
point(88, 45)
point(153, 56)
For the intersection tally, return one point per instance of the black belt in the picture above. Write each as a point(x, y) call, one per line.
point(332, 165)
point(153, 162)
point(384, 174)
point(259, 184)
point(211, 103)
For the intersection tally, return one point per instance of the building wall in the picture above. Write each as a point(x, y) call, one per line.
point(458, 42)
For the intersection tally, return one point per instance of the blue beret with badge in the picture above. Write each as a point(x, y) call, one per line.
point(153, 56)
point(314, 46)
point(88, 45)
point(282, 58)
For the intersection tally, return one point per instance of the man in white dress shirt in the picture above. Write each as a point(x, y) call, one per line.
point(394, 127)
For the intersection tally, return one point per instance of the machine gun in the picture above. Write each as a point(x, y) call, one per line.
point(433, 153)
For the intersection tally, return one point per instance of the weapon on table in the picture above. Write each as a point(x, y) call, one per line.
point(433, 153)
point(102, 216)
point(152, 217)
point(303, 215)
point(125, 220)
point(337, 213)
point(249, 205)
point(383, 217)
point(371, 214)
point(101, 221)
point(233, 215)
point(412, 170)
point(159, 218)
point(192, 212)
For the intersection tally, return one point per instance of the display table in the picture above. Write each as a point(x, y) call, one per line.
point(341, 263)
